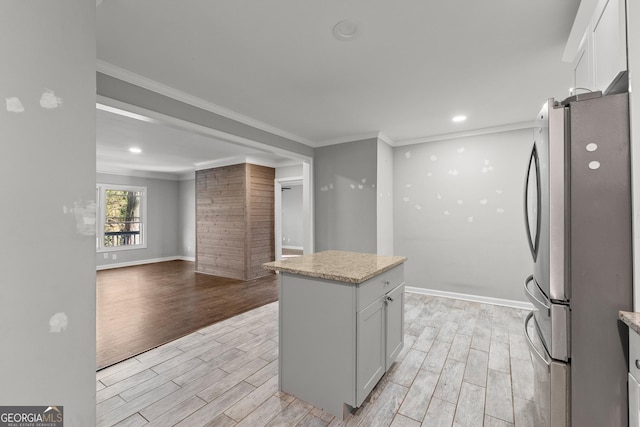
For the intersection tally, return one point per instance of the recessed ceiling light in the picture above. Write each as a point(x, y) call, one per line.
point(135, 150)
point(458, 119)
point(347, 30)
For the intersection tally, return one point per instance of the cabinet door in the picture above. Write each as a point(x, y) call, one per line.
point(394, 324)
point(634, 402)
point(370, 363)
point(609, 42)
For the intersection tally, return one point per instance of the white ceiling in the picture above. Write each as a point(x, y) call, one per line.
point(416, 64)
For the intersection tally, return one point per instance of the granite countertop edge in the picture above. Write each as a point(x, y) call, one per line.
point(340, 276)
point(631, 319)
point(336, 277)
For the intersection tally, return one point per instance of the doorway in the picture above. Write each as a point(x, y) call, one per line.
point(293, 215)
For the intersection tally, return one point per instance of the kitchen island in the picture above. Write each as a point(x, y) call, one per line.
point(632, 320)
point(341, 325)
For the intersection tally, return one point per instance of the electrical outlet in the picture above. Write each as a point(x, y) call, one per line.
point(114, 257)
point(106, 255)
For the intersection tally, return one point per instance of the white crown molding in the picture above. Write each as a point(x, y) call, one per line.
point(384, 137)
point(465, 134)
point(144, 82)
point(475, 298)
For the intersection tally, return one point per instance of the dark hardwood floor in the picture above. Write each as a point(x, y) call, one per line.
point(142, 307)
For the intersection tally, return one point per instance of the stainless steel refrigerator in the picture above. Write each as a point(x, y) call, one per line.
point(578, 220)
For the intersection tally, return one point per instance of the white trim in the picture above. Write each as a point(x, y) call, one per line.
point(143, 261)
point(277, 212)
point(307, 207)
point(152, 85)
point(475, 298)
point(297, 248)
point(464, 134)
point(384, 137)
point(308, 216)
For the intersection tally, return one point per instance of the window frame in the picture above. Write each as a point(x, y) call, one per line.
point(101, 197)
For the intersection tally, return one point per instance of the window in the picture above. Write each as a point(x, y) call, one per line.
point(121, 217)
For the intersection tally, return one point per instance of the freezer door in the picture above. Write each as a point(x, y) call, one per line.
point(551, 382)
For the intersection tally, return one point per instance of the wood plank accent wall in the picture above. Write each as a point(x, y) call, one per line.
point(261, 219)
point(235, 220)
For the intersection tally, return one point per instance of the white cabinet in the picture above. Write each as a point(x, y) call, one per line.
point(394, 324)
point(609, 42)
point(582, 75)
point(603, 52)
point(634, 376)
point(338, 339)
point(371, 349)
point(380, 339)
point(634, 402)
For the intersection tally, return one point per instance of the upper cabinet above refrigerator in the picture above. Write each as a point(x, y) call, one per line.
point(601, 57)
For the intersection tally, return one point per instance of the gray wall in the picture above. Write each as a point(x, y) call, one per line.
point(292, 216)
point(47, 170)
point(345, 196)
point(162, 221)
point(187, 218)
point(459, 214)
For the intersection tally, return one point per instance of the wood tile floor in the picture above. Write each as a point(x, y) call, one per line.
point(463, 364)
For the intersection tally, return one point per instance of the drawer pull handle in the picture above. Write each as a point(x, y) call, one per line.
point(637, 363)
point(387, 283)
point(391, 300)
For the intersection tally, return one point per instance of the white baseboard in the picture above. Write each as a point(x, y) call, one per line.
point(142, 262)
point(467, 297)
point(299, 248)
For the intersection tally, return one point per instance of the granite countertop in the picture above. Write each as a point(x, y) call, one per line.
point(348, 267)
point(632, 319)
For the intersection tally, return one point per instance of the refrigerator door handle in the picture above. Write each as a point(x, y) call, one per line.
point(532, 348)
point(534, 299)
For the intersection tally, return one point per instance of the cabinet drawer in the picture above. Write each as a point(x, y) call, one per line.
point(376, 287)
point(634, 353)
